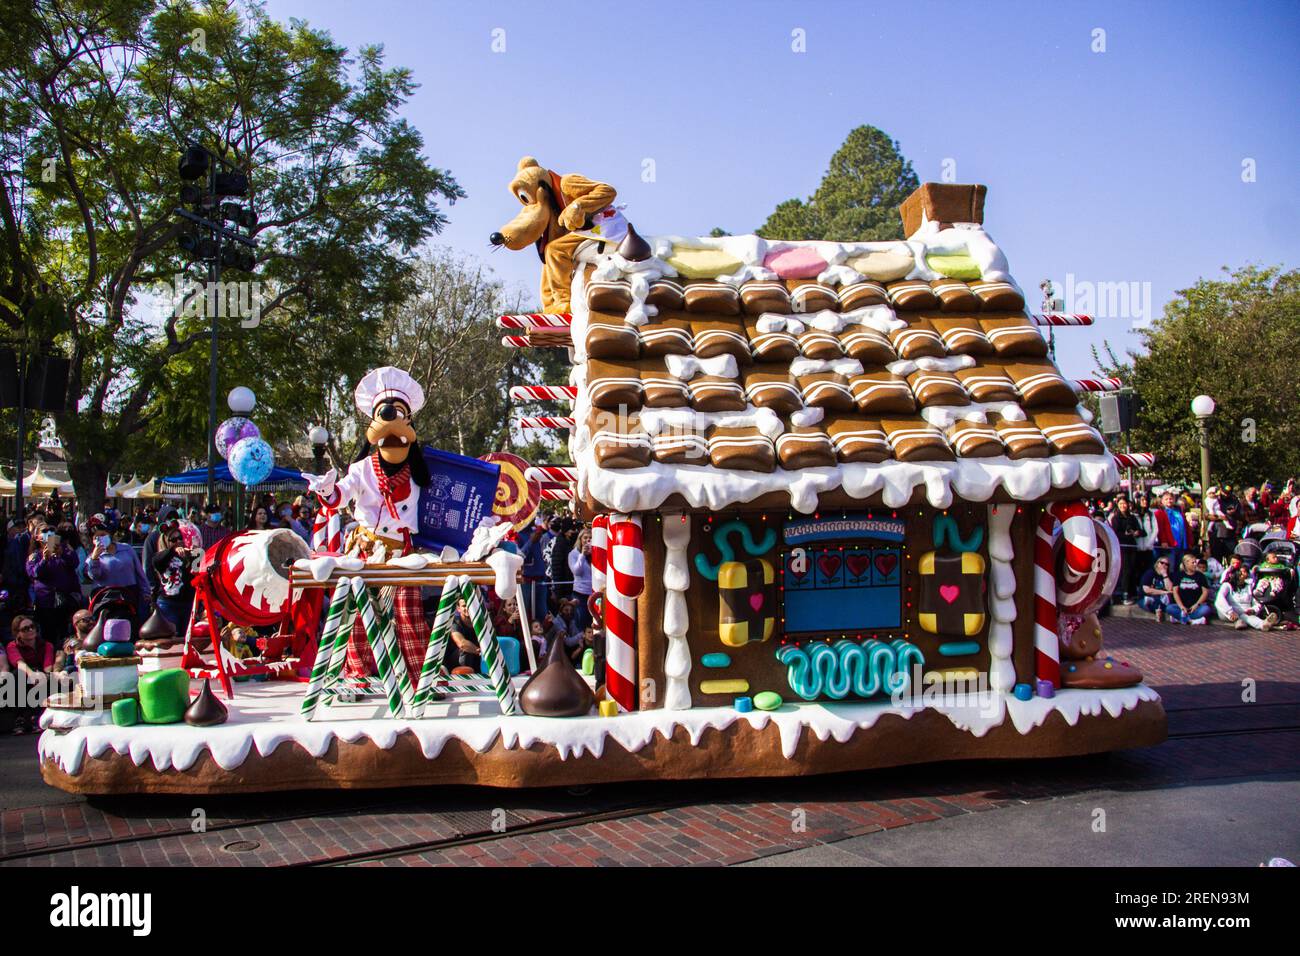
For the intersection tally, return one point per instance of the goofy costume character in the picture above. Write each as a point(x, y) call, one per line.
point(383, 488)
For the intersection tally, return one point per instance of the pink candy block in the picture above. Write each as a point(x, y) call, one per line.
point(795, 263)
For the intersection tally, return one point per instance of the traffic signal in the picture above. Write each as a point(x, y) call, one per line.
point(231, 184)
point(193, 162)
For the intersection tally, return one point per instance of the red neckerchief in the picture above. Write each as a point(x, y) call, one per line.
point(393, 489)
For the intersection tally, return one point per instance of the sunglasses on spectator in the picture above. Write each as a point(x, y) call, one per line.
point(25, 628)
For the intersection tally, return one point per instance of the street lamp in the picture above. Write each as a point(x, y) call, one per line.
point(241, 401)
point(1203, 408)
point(318, 435)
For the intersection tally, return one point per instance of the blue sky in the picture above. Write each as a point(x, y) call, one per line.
point(1117, 166)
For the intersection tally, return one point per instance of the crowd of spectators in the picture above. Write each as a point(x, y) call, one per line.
point(61, 566)
point(1188, 558)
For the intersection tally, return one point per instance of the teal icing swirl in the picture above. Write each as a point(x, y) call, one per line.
point(946, 527)
point(735, 526)
point(846, 667)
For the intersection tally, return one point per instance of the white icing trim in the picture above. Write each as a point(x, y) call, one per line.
point(264, 716)
point(807, 366)
point(656, 420)
point(973, 479)
point(1002, 603)
point(677, 580)
point(807, 417)
point(686, 367)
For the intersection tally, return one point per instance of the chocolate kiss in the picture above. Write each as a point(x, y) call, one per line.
point(557, 690)
point(205, 710)
point(157, 628)
point(92, 640)
point(633, 248)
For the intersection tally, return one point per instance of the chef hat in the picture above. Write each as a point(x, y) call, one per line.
point(388, 382)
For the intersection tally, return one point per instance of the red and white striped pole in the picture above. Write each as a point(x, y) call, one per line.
point(544, 393)
point(1060, 318)
point(1047, 649)
point(551, 473)
point(624, 584)
point(555, 494)
point(546, 421)
point(1097, 384)
point(599, 551)
point(1135, 459)
point(529, 320)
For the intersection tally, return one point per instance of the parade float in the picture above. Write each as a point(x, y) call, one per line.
point(834, 491)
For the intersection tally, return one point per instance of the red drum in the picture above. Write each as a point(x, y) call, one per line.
point(248, 575)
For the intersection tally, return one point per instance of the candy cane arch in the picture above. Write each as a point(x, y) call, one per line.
point(544, 393)
point(327, 531)
point(1078, 582)
point(599, 552)
point(531, 320)
point(623, 585)
point(1047, 650)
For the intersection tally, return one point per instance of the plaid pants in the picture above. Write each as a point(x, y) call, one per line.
point(412, 637)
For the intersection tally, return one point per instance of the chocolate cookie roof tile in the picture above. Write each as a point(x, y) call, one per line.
point(717, 370)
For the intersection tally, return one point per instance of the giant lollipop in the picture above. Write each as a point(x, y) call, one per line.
point(251, 461)
point(232, 431)
point(517, 497)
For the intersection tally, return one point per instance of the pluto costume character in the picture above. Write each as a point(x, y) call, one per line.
point(383, 488)
point(561, 213)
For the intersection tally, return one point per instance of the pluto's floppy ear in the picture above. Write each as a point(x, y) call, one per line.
point(526, 162)
point(419, 466)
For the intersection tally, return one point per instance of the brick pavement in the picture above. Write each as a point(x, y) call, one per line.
point(718, 822)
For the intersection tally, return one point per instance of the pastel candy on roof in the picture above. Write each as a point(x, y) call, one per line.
point(795, 262)
point(703, 263)
point(883, 265)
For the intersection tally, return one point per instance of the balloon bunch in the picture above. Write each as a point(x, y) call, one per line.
point(240, 442)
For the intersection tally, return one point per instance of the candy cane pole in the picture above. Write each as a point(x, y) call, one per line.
point(555, 494)
point(1096, 384)
point(624, 584)
point(544, 393)
point(563, 473)
point(1060, 318)
point(551, 320)
point(1135, 459)
point(1047, 650)
point(546, 421)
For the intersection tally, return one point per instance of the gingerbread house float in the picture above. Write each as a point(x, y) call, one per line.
point(834, 492)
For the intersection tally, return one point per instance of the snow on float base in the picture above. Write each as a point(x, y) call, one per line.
point(264, 716)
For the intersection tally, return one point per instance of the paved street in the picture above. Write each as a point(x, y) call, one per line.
point(1224, 790)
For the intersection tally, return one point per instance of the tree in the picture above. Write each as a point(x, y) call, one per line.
point(100, 100)
point(1234, 340)
point(858, 198)
point(445, 334)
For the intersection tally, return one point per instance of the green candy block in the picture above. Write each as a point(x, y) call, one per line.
point(164, 695)
point(589, 662)
point(126, 713)
point(768, 700)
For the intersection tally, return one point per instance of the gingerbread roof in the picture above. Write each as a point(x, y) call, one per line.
point(722, 370)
